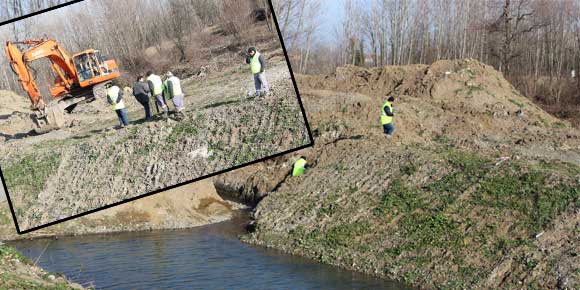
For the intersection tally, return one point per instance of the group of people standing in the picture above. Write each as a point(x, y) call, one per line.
point(170, 88)
point(143, 89)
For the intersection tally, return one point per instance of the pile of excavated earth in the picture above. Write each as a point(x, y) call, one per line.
point(479, 188)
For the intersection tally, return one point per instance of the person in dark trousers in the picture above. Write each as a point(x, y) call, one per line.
point(141, 92)
point(156, 88)
point(387, 117)
point(257, 64)
point(115, 99)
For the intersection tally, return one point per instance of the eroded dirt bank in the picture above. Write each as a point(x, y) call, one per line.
point(478, 189)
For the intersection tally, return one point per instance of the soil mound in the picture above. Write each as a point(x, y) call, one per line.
point(461, 99)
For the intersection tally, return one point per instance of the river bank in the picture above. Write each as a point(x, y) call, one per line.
point(468, 194)
point(19, 272)
point(190, 205)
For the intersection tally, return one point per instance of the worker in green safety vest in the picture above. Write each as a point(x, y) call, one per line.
point(387, 117)
point(299, 166)
point(257, 64)
point(115, 99)
point(172, 90)
point(156, 88)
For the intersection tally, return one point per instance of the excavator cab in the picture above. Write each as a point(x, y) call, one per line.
point(92, 68)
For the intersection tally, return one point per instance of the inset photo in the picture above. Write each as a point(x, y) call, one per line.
point(104, 101)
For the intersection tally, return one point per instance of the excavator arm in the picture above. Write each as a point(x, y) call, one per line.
point(61, 63)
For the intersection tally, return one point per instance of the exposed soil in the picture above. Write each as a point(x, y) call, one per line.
point(91, 164)
point(479, 188)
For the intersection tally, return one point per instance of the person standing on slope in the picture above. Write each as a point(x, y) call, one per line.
point(141, 92)
point(387, 117)
point(156, 87)
point(257, 64)
point(172, 89)
point(115, 99)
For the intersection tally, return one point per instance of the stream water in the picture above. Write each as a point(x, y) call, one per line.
point(209, 257)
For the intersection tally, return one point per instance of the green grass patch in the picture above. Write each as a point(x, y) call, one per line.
point(13, 281)
point(516, 103)
point(344, 235)
point(559, 125)
point(180, 131)
point(145, 150)
point(434, 229)
point(8, 252)
point(527, 194)
point(399, 198)
point(409, 168)
point(29, 174)
point(473, 89)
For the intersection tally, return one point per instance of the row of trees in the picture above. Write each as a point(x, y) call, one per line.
point(535, 43)
point(138, 34)
point(299, 21)
point(10, 9)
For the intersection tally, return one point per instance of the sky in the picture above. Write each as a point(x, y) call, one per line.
point(333, 17)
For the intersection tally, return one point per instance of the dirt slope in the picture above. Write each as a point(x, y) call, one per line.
point(469, 194)
point(190, 205)
point(96, 165)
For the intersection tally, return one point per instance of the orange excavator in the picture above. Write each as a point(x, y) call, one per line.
point(80, 78)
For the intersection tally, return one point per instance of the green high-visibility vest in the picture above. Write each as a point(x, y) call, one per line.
point(299, 167)
point(157, 84)
point(113, 94)
point(255, 65)
point(176, 86)
point(384, 118)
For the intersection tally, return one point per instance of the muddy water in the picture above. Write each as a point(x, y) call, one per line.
point(209, 257)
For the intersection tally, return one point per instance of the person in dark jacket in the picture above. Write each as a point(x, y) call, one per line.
point(387, 117)
point(257, 64)
point(142, 92)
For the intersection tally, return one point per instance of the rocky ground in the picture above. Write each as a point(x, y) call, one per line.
point(479, 189)
point(91, 164)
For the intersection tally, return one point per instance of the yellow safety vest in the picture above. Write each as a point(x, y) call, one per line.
point(157, 84)
point(384, 118)
point(113, 94)
point(176, 85)
point(299, 167)
point(255, 65)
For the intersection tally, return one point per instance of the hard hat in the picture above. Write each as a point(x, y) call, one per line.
point(169, 74)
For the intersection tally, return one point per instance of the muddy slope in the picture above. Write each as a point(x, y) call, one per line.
point(479, 188)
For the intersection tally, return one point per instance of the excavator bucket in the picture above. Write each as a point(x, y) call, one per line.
point(52, 117)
